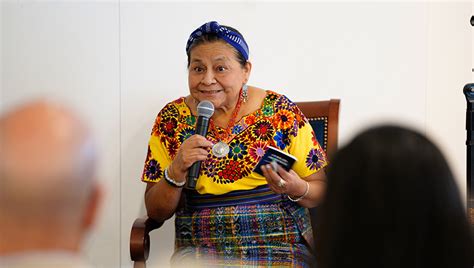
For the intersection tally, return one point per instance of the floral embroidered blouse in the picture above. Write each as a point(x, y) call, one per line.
point(278, 123)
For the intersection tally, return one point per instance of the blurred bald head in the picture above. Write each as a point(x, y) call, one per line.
point(47, 160)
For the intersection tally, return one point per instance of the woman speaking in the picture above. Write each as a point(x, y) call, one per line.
point(234, 216)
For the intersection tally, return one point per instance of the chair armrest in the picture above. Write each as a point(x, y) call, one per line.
point(140, 239)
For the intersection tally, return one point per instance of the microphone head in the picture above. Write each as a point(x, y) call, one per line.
point(205, 108)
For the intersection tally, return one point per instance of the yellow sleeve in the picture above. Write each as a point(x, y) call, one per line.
point(305, 147)
point(157, 157)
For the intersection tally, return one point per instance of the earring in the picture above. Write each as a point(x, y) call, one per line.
point(245, 95)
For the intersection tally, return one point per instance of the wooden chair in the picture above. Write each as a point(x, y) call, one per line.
point(323, 117)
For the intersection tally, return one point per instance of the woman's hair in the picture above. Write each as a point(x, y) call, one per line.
point(392, 201)
point(211, 38)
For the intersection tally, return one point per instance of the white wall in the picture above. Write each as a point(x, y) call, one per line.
point(120, 62)
point(70, 52)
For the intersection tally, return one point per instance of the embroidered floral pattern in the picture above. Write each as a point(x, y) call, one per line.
point(257, 150)
point(237, 129)
point(168, 127)
point(276, 123)
point(211, 164)
point(190, 120)
point(283, 119)
point(250, 119)
point(315, 159)
point(185, 133)
point(172, 147)
point(237, 150)
point(267, 110)
point(232, 172)
point(152, 170)
point(263, 130)
point(282, 139)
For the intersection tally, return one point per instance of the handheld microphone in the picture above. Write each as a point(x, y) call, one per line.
point(205, 110)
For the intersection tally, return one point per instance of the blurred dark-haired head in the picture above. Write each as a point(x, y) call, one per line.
point(392, 201)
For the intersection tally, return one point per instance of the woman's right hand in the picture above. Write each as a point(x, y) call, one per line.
point(193, 149)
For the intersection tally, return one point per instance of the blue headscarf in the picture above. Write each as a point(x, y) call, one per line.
point(233, 38)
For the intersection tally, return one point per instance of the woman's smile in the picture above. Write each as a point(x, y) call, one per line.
point(210, 93)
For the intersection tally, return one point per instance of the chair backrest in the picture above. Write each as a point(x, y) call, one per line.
point(324, 118)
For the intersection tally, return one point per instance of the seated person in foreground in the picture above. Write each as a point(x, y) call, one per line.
point(392, 202)
point(49, 193)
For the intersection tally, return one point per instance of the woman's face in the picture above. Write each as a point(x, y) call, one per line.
point(215, 75)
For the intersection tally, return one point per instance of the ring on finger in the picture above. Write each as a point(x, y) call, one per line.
point(281, 183)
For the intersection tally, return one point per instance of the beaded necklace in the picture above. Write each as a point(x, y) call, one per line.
point(221, 148)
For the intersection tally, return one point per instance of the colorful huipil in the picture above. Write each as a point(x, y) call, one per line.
point(233, 218)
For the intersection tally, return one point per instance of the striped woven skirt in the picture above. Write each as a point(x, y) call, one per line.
point(245, 228)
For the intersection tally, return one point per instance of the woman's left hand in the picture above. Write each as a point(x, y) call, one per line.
point(284, 182)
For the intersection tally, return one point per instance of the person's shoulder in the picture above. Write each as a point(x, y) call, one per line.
point(277, 99)
point(269, 98)
point(174, 113)
point(173, 107)
point(260, 94)
point(275, 95)
point(270, 93)
point(177, 103)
